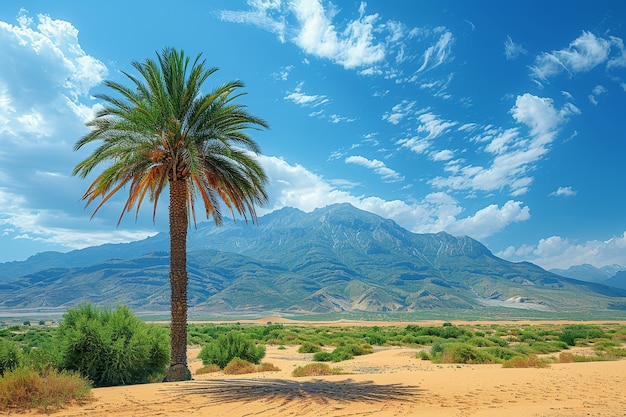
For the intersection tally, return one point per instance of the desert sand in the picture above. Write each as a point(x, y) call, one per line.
point(389, 382)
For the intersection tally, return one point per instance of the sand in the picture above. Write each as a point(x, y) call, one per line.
point(389, 382)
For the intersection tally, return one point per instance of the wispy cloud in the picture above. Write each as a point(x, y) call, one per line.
point(377, 166)
point(514, 153)
point(305, 100)
point(400, 112)
point(513, 50)
point(583, 54)
point(440, 52)
point(429, 127)
point(366, 42)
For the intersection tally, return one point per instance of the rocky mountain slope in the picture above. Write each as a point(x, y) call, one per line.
point(335, 259)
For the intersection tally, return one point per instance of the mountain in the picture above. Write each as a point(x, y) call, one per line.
point(586, 272)
point(618, 280)
point(335, 259)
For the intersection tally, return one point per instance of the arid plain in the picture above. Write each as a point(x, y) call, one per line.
point(390, 382)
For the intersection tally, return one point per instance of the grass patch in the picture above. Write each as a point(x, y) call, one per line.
point(208, 369)
point(24, 389)
point(526, 361)
point(240, 366)
point(568, 357)
point(315, 369)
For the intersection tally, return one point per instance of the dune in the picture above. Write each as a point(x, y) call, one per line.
point(390, 382)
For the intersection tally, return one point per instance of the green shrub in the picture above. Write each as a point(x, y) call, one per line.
point(501, 353)
point(229, 346)
point(308, 347)
point(342, 353)
point(112, 347)
point(10, 356)
point(580, 331)
point(461, 353)
point(323, 357)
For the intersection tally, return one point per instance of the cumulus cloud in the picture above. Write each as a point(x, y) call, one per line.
point(296, 186)
point(377, 166)
point(558, 252)
point(49, 75)
point(354, 47)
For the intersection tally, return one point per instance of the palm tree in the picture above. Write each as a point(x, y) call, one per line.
point(163, 131)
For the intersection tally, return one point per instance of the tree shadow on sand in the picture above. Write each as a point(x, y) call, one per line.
point(232, 390)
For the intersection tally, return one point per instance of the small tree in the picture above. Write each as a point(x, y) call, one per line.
point(112, 347)
point(229, 346)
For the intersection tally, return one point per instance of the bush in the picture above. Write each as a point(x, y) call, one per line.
point(527, 361)
point(10, 356)
point(22, 389)
point(461, 353)
point(580, 331)
point(238, 366)
point(207, 369)
point(323, 357)
point(112, 347)
point(230, 346)
point(308, 347)
point(315, 369)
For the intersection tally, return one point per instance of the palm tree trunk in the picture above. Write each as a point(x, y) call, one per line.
point(179, 222)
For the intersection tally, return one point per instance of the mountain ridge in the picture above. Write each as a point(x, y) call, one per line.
point(335, 259)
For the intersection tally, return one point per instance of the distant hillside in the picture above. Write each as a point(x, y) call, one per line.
point(590, 273)
point(618, 280)
point(335, 259)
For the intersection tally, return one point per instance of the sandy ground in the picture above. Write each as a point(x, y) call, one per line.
point(389, 382)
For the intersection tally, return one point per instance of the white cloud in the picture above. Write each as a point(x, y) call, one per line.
point(618, 60)
point(302, 99)
point(352, 48)
point(377, 166)
point(364, 42)
point(315, 31)
point(295, 186)
point(563, 192)
point(433, 126)
point(582, 55)
point(400, 112)
point(440, 52)
point(49, 74)
point(597, 91)
point(514, 154)
point(429, 128)
point(491, 219)
point(54, 227)
point(513, 50)
point(558, 252)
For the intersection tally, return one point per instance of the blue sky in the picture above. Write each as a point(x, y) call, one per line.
point(499, 121)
